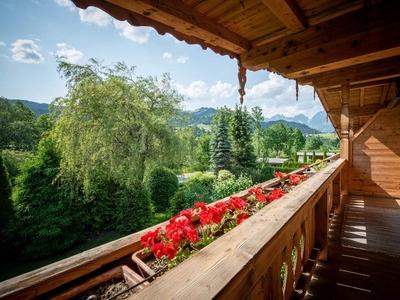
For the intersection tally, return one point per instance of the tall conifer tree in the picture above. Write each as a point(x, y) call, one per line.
point(220, 145)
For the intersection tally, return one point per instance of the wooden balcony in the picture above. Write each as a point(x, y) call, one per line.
point(245, 263)
point(352, 273)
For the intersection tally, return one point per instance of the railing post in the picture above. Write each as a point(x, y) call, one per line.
point(344, 137)
point(321, 225)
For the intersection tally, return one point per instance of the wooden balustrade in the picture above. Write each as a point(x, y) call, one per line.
point(246, 263)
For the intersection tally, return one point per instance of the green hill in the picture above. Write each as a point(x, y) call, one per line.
point(37, 108)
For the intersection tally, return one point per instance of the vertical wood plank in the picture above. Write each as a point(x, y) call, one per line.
point(276, 279)
point(298, 263)
point(321, 225)
point(287, 257)
point(330, 196)
point(336, 191)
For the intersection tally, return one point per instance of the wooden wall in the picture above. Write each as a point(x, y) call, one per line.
point(375, 168)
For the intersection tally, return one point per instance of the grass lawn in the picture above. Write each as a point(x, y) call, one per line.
point(9, 269)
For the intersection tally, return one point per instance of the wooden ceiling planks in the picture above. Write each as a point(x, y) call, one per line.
point(321, 43)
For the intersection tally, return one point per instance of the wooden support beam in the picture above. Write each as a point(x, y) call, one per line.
point(344, 137)
point(356, 111)
point(369, 84)
point(396, 99)
point(363, 73)
point(385, 89)
point(289, 13)
point(368, 34)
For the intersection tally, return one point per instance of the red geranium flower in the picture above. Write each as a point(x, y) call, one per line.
point(237, 203)
point(241, 217)
point(148, 239)
point(275, 195)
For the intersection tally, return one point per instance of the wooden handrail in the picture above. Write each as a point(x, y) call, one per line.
point(245, 261)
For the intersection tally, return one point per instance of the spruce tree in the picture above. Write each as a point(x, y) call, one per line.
point(220, 145)
point(242, 147)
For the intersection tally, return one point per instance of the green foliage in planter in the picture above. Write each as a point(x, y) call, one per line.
point(230, 186)
point(46, 219)
point(162, 184)
point(6, 204)
point(197, 188)
point(133, 208)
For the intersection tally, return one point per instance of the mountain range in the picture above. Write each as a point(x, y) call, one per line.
point(317, 124)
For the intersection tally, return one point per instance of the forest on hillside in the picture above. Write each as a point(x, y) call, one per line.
point(106, 157)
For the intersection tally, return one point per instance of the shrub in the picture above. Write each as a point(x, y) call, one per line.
point(261, 173)
point(283, 169)
point(197, 188)
point(162, 184)
point(6, 204)
point(230, 186)
point(46, 219)
point(133, 208)
point(177, 201)
point(292, 164)
point(224, 175)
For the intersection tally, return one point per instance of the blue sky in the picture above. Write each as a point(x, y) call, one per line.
point(34, 32)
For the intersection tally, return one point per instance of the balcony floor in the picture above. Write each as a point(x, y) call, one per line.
point(353, 273)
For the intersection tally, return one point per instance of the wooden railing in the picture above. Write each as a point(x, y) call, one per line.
point(246, 263)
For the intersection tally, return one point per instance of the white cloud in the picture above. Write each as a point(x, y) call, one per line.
point(179, 60)
point(277, 95)
point(182, 59)
point(66, 3)
point(26, 51)
point(69, 53)
point(272, 87)
point(167, 55)
point(222, 90)
point(137, 34)
point(197, 89)
point(95, 16)
point(2, 43)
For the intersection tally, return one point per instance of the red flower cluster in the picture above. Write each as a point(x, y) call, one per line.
point(275, 195)
point(258, 193)
point(296, 179)
point(166, 243)
point(180, 229)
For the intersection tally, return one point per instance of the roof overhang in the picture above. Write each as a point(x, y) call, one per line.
point(326, 44)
